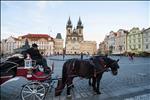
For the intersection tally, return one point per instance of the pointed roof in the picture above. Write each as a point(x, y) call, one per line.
point(79, 24)
point(69, 21)
point(69, 24)
point(58, 36)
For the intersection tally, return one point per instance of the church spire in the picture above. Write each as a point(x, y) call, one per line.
point(69, 24)
point(79, 25)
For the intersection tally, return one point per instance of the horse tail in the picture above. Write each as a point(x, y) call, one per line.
point(61, 83)
point(64, 73)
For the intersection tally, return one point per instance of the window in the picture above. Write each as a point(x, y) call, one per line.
point(134, 46)
point(69, 30)
point(80, 31)
point(139, 40)
point(146, 46)
point(130, 46)
point(139, 46)
point(146, 40)
point(138, 35)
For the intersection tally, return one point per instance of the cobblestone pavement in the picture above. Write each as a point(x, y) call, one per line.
point(131, 83)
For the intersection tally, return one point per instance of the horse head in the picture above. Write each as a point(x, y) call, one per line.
point(113, 65)
point(106, 63)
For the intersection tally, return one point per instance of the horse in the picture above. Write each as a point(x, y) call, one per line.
point(10, 65)
point(92, 68)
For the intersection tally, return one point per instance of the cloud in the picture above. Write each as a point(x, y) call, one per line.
point(42, 5)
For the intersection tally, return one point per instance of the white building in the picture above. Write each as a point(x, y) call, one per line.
point(45, 43)
point(146, 40)
point(111, 42)
point(8, 45)
point(120, 42)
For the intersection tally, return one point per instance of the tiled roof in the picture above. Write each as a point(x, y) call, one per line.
point(37, 36)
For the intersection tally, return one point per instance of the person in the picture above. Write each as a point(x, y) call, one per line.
point(81, 56)
point(64, 54)
point(36, 55)
point(130, 56)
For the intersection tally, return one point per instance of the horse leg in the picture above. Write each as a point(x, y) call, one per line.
point(98, 84)
point(68, 90)
point(69, 86)
point(94, 83)
point(90, 82)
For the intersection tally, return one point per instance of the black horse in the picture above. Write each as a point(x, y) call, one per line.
point(91, 68)
point(10, 65)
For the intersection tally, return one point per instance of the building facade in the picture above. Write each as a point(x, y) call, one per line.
point(134, 40)
point(111, 42)
point(146, 40)
point(124, 42)
point(58, 44)
point(120, 41)
point(8, 45)
point(45, 43)
point(75, 43)
point(88, 47)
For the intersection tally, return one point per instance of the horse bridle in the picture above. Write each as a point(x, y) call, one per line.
point(106, 66)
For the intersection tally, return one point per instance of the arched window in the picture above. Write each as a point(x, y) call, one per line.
point(69, 30)
point(79, 31)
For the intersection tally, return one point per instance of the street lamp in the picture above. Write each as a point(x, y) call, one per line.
point(120, 48)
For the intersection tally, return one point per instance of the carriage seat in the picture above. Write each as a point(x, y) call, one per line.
point(42, 71)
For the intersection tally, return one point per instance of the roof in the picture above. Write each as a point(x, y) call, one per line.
point(37, 35)
point(58, 36)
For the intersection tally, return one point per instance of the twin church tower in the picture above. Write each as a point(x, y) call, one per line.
point(74, 37)
point(75, 43)
point(74, 34)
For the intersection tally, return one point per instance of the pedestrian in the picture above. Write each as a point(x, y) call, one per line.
point(81, 55)
point(64, 52)
point(130, 56)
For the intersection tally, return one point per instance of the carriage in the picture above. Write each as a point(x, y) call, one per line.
point(40, 78)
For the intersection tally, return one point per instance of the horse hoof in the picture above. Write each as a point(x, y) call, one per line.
point(90, 84)
point(72, 86)
point(98, 92)
point(69, 96)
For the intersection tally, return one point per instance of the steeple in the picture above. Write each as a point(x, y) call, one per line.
point(79, 25)
point(69, 24)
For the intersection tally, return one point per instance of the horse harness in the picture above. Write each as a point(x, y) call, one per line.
point(104, 65)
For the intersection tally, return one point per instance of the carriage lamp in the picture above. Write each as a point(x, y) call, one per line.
point(28, 66)
point(28, 63)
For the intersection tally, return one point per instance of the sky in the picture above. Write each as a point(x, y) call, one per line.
point(50, 17)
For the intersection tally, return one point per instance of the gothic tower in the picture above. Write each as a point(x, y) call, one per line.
point(74, 37)
point(68, 30)
point(80, 30)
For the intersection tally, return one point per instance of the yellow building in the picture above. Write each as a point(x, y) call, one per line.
point(58, 44)
point(134, 40)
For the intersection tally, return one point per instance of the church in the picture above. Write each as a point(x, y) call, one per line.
point(75, 43)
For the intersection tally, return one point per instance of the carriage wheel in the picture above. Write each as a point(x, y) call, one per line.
point(33, 91)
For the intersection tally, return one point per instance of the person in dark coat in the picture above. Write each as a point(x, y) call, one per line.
point(36, 55)
point(81, 56)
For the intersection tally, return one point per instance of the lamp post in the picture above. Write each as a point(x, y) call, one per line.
point(120, 49)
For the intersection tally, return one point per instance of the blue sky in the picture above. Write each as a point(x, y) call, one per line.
point(50, 17)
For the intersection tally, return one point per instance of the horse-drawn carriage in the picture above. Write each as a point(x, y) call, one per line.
point(40, 77)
